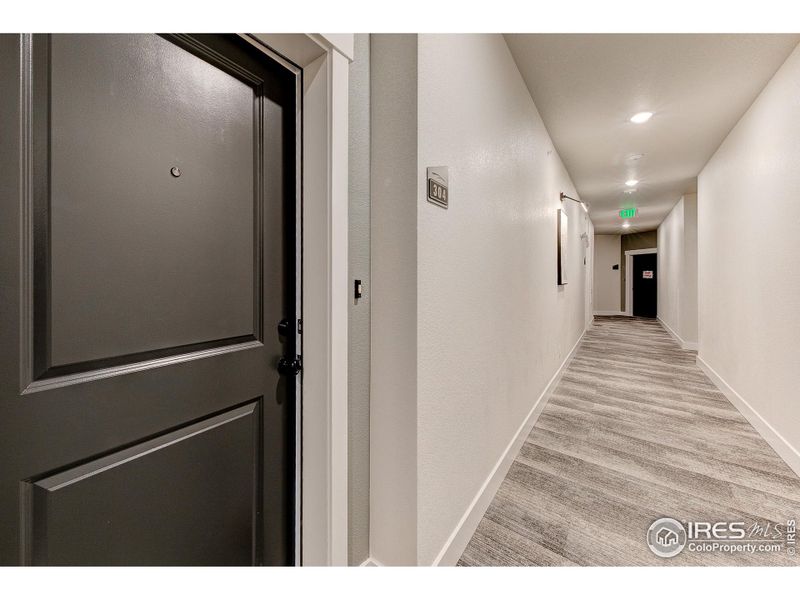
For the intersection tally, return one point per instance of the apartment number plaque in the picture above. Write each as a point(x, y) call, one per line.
point(438, 192)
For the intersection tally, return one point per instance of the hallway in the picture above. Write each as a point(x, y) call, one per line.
point(400, 299)
point(634, 431)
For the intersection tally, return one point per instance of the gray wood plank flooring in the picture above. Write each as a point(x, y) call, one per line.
point(634, 431)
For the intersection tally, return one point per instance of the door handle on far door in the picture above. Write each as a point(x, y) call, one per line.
point(290, 366)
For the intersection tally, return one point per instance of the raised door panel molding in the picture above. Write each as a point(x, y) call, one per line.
point(114, 510)
point(141, 246)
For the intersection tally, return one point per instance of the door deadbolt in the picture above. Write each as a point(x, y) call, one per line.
point(289, 366)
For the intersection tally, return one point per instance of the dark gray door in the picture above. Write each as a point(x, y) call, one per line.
point(148, 195)
point(645, 285)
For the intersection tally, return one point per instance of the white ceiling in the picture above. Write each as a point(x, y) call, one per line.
point(587, 86)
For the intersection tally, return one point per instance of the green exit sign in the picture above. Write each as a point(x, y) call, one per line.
point(627, 213)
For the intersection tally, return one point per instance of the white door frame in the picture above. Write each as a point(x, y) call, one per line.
point(321, 523)
point(629, 276)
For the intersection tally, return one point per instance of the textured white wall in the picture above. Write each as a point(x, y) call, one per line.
point(748, 248)
point(677, 270)
point(670, 267)
point(493, 326)
point(393, 236)
point(358, 359)
point(606, 280)
point(688, 310)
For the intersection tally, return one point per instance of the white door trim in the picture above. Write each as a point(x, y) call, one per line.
point(321, 525)
point(629, 277)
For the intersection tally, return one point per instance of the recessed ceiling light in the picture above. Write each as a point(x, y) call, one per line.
point(641, 117)
point(633, 157)
point(631, 182)
point(630, 191)
point(625, 225)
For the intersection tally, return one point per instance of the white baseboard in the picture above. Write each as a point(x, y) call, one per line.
point(684, 344)
point(778, 443)
point(462, 534)
point(609, 313)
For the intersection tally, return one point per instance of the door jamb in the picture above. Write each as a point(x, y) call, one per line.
point(321, 528)
point(629, 277)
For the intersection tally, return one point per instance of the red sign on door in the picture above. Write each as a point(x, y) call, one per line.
point(647, 274)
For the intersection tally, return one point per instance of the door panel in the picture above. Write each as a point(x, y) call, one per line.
point(140, 309)
point(139, 259)
point(115, 510)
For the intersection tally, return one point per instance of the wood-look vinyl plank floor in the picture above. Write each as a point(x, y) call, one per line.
point(634, 431)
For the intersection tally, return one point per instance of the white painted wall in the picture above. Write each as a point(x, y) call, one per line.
point(670, 266)
point(677, 271)
point(748, 269)
point(393, 242)
point(688, 313)
point(492, 325)
point(358, 358)
point(606, 279)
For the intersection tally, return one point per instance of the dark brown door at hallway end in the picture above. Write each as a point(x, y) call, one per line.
point(147, 257)
point(645, 285)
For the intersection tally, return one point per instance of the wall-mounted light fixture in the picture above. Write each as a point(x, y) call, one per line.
point(583, 204)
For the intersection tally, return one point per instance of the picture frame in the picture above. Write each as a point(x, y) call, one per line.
point(562, 226)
